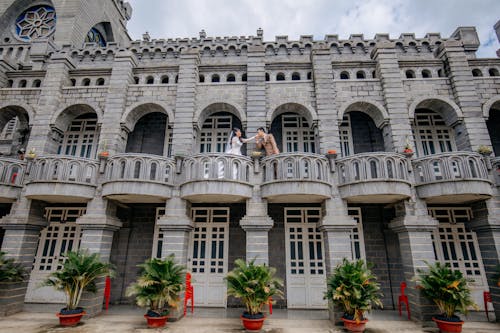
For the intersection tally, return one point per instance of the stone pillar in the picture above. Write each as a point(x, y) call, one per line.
point(176, 227)
point(453, 54)
point(97, 225)
point(22, 231)
point(326, 99)
point(185, 103)
point(486, 225)
point(256, 92)
point(414, 228)
point(113, 139)
point(257, 224)
point(388, 71)
point(43, 138)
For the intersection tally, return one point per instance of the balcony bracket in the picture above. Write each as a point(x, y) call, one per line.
point(256, 164)
point(331, 159)
point(102, 164)
point(178, 163)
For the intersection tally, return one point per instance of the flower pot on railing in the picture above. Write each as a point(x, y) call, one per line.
point(104, 155)
point(408, 152)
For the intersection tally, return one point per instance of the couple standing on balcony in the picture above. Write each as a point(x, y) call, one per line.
point(262, 140)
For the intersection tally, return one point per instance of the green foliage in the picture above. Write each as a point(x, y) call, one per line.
point(159, 284)
point(353, 287)
point(445, 287)
point(10, 271)
point(78, 274)
point(254, 284)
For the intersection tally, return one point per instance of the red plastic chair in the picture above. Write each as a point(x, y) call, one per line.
point(403, 299)
point(487, 299)
point(107, 291)
point(189, 294)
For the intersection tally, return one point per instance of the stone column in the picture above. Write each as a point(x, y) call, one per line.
point(98, 226)
point(414, 228)
point(256, 92)
point(185, 103)
point(486, 225)
point(112, 138)
point(22, 231)
point(453, 54)
point(388, 71)
point(42, 136)
point(326, 99)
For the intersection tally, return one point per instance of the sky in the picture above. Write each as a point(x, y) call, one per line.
point(186, 18)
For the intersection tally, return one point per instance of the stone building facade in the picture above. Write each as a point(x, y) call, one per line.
point(73, 85)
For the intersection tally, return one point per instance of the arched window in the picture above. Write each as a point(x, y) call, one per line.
point(309, 75)
point(72, 82)
point(86, 82)
point(476, 72)
point(230, 78)
point(177, 79)
point(344, 75)
point(244, 77)
point(100, 81)
point(214, 133)
point(440, 72)
point(410, 74)
point(426, 74)
point(36, 84)
point(164, 79)
point(36, 22)
point(150, 80)
point(201, 78)
point(22, 84)
point(432, 135)
point(80, 137)
point(215, 78)
point(374, 74)
point(267, 77)
point(295, 76)
point(280, 77)
point(10, 83)
point(493, 72)
point(297, 135)
point(136, 80)
point(360, 75)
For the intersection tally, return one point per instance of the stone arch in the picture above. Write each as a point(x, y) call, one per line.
point(63, 118)
point(292, 107)
point(375, 110)
point(494, 101)
point(24, 112)
point(104, 29)
point(448, 109)
point(210, 108)
point(138, 110)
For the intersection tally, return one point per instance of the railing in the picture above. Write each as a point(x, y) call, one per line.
point(372, 166)
point(143, 167)
point(450, 166)
point(295, 166)
point(216, 167)
point(64, 169)
point(11, 171)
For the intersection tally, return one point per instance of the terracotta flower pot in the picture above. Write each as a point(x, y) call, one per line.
point(448, 326)
point(332, 151)
point(70, 319)
point(353, 326)
point(253, 324)
point(156, 321)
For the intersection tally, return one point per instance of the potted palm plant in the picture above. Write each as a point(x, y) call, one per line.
point(79, 273)
point(157, 288)
point(355, 289)
point(12, 274)
point(10, 271)
point(448, 289)
point(254, 285)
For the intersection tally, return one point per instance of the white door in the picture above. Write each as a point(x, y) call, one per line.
point(454, 244)
point(62, 235)
point(305, 267)
point(208, 255)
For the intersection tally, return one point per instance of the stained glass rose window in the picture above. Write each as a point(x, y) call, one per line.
point(36, 22)
point(95, 36)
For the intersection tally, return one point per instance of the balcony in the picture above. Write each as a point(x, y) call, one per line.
point(62, 179)
point(457, 177)
point(296, 178)
point(216, 178)
point(11, 179)
point(380, 177)
point(138, 178)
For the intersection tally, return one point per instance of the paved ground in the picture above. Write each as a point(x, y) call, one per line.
point(128, 319)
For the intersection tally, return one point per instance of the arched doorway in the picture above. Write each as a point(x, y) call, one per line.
point(151, 135)
point(493, 124)
point(293, 128)
point(14, 129)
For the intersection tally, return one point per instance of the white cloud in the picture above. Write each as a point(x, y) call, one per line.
point(176, 18)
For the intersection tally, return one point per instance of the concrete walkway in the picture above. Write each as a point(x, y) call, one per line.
point(129, 319)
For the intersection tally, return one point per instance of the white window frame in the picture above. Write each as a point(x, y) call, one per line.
point(81, 142)
point(431, 134)
point(215, 133)
point(297, 135)
point(345, 136)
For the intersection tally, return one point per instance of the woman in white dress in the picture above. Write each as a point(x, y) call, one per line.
point(233, 147)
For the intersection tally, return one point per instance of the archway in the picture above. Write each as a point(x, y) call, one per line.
point(14, 129)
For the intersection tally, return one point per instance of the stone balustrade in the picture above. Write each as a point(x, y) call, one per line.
point(140, 167)
point(12, 172)
point(372, 166)
point(449, 167)
point(66, 169)
point(216, 166)
point(296, 166)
